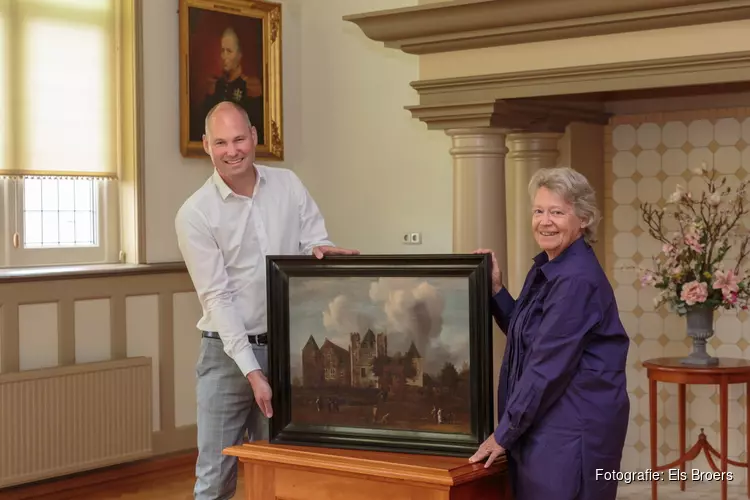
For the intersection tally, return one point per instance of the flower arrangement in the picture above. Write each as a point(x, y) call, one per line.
point(691, 269)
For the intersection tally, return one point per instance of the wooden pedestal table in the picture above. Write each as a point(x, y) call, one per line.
point(671, 370)
point(275, 471)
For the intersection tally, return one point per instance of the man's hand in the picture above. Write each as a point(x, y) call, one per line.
point(322, 250)
point(489, 448)
point(262, 391)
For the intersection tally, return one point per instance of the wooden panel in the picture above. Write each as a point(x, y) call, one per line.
point(2, 335)
point(291, 484)
point(38, 336)
point(9, 338)
point(186, 342)
point(118, 324)
point(66, 337)
point(93, 333)
point(73, 318)
point(278, 471)
point(142, 339)
point(166, 361)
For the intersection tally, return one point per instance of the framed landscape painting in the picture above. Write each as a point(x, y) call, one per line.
point(386, 353)
point(230, 50)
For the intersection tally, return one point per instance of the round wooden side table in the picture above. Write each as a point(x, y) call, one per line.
point(671, 370)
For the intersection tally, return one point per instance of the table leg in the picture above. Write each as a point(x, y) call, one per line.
point(681, 410)
point(652, 425)
point(747, 436)
point(724, 409)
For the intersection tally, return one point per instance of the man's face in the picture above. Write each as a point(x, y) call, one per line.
point(230, 143)
point(230, 53)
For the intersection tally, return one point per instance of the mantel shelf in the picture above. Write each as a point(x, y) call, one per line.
point(471, 24)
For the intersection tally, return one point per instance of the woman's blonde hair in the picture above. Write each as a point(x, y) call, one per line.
point(574, 188)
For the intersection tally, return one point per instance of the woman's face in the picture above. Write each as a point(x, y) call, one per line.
point(554, 222)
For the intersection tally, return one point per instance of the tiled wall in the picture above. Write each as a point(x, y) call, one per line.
point(647, 155)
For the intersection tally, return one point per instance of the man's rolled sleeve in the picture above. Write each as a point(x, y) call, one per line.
point(246, 360)
point(205, 264)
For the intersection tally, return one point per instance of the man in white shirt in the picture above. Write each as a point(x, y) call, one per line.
point(242, 213)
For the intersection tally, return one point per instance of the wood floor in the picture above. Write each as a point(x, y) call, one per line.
point(172, 478)
point(166, 478)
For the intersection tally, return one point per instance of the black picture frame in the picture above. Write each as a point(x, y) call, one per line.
point(472, 267)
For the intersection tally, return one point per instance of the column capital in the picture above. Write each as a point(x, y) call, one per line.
point(478, 141)
point(529, 145)
point(532, 115)
point(469, 131)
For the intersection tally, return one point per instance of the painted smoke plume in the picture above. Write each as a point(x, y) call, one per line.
point(414, 312)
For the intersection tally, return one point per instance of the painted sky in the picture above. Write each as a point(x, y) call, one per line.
point(431, 312)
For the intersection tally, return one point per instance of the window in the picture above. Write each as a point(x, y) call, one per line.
point(58, 132)
point(59, 212)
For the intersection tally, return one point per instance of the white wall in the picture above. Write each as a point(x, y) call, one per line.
point(374, 170)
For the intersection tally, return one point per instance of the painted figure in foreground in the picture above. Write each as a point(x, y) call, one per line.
point(562, 399)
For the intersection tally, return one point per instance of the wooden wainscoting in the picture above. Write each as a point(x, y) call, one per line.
point(94, 321)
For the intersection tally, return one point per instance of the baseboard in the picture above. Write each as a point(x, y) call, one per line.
point(88, 483)
point(172, 449)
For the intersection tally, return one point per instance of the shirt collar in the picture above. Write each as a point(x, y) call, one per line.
point(552, 268)
point(225, 190)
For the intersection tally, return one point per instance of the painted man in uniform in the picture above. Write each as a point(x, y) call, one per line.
point(234, 85)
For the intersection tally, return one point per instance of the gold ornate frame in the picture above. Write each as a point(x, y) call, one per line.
point(269, 13)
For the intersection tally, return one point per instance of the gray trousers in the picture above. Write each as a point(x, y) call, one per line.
point(226, 410)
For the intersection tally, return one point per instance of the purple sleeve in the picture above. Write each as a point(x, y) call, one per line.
point(502, 306)
point(570, 311)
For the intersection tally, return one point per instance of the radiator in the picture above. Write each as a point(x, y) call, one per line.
point(69, 419)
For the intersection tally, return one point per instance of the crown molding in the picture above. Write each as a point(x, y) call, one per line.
point(454, 115)
point(658, 73)
point(526, 115)
point(472, 24)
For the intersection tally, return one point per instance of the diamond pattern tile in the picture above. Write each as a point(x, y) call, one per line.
point(647, 158)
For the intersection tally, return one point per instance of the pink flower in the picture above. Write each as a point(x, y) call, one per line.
point(726, 282)
point(694, 292)
point(693, 241)
point(648, 279)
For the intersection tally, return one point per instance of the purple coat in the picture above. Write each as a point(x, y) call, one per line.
point(562, 398)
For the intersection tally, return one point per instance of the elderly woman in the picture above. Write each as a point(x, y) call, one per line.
point(562, 399)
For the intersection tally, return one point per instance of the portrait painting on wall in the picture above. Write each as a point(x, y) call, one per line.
point(231, 51)
point(385, 353)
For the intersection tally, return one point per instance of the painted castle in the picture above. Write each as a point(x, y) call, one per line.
point(332, 365)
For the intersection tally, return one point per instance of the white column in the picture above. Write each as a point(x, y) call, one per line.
point(528, 152)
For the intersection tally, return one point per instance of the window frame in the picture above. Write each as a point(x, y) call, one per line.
point(107, 250)
point(108, 209)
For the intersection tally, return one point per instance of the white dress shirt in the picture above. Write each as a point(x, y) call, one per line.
point(224, 238)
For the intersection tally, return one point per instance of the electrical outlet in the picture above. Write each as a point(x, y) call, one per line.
point(412, 238)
